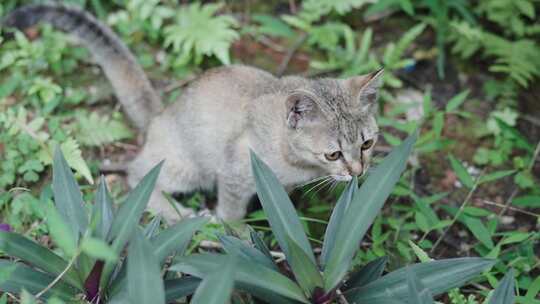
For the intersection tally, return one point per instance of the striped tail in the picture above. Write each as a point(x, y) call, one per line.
point(132, 88)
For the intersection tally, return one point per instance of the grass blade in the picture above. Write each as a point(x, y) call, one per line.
point(461, 172)
point(67, 196)
point(217, 287)
point(336, 218)
point(363, 209)
point(251, 276)
point(17, 246)
point(504, 293)
point(144, 281)
point(279, 209)
point(437, 276)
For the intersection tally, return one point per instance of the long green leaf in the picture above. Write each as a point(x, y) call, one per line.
point(461, 172)
point(144, 281)
point(279, 209)
point(250, 275)
point(216, 288)
point(67, 196)
point(363, 209)
point(127, 218)
point(180, 287)
point(418, 293)
point(102, 213)
point(306, 273)
point(336, 218)
point(60, 233)
point(504, 293)
point(456, 101)
point(237, 247)
point(437, 276)
point(367, 274)
point(39, 256)
point(24, 277)
point(176, 238)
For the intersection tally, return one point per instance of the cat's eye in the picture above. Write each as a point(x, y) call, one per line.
point(367, 144)
point(333, 156)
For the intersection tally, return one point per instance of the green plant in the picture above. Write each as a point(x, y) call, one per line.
point(90, 241)
point(199, 33)
point(323, 282)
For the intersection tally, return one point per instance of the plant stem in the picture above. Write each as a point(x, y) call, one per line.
point(59, 277)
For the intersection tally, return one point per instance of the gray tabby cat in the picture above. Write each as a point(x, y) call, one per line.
point(303, 129)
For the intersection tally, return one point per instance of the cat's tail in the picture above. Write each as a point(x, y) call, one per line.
point(132, 88)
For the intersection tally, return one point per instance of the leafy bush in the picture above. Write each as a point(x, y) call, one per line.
point(92, 244)
point(90, 241)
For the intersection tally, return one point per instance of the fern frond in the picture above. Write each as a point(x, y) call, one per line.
point(198, 31)
point(93, 130)
point(73, 154)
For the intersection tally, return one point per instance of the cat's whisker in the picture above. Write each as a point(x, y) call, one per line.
point(326, 183)
point(317, 185)
point(311, 181)
point(334, 185)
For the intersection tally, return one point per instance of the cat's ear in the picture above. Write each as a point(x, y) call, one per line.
point(365, 88)
point(301, 109)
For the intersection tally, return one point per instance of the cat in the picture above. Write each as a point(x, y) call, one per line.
point(304, 129)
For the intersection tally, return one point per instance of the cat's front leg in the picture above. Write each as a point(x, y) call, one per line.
point(234, 194)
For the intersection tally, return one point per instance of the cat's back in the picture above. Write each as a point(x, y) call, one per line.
point(241, 80)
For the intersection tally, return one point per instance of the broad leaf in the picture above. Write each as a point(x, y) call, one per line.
point(216, 288)
point(180, 287)
point(504, 293)
point(144, 281)
point(306, 272)
point(102, 213)
point(98, 249)
point(67, 196)
point(418, 293)
point(279, 209)
point(24, 277)
point(336, 218)
point(128, 216)
point(366, 204)
point(176, 238)
point(41, 257)
point(60, 233)
point(237, 247)
point(250, 275)
point(367, 274)
point(437, 276)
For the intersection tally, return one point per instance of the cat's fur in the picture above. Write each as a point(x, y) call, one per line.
point(205, 137)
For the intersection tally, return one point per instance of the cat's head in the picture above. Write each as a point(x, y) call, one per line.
point(331, 124)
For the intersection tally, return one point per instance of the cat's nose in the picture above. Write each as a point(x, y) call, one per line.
point(356, 169)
